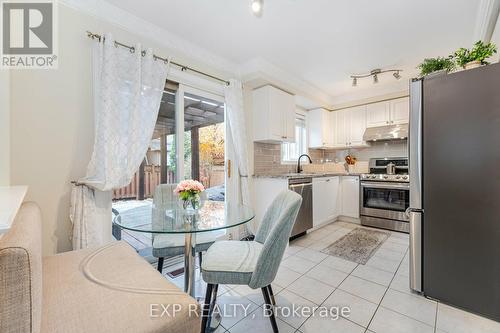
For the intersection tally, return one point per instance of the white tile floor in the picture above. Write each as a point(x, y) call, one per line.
point(377, 293)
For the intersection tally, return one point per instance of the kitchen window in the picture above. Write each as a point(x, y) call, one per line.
point(290, 152)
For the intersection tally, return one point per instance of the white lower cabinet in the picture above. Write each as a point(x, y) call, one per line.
point(350, 196)
point(326, 199)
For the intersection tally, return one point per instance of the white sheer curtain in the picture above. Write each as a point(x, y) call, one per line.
point(236, 117)
point(128, 86)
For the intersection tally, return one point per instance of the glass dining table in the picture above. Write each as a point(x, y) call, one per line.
point(175, 220)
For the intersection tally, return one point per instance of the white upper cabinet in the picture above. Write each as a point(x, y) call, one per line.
point(378, 114)
point(391, 112)
point(357, 126)
point(337, 129)
point(349, 127)
point(273, 115)
point(320, 128)
point(400, 111)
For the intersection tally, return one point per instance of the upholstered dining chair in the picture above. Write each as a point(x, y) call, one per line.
point(170, 245)
point(253, 263)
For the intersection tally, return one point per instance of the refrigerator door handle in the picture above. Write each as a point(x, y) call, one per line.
point(415, 144)
point(415, 217)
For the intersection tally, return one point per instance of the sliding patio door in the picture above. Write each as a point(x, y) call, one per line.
point(202, 145)
point(190, 141)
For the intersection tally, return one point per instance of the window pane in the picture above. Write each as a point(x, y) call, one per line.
point(204, 144)
point(290, 152)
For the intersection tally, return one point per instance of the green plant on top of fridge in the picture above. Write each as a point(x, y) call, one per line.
point(431, 65)
point(478, 54)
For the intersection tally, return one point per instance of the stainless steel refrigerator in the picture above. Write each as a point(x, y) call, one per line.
point(454, 168)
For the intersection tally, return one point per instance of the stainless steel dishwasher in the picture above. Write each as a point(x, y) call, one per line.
point(302, 186)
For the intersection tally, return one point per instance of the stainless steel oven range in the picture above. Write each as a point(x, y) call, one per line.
point(385, 194)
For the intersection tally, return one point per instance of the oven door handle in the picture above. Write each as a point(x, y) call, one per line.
point(386, 185)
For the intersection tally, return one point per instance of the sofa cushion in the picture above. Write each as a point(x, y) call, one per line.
point(21, 273)
point(112, 289)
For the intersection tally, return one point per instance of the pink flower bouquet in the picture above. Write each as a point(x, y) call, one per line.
point(189, 192)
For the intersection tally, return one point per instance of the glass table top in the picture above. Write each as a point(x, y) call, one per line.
point(173, 219)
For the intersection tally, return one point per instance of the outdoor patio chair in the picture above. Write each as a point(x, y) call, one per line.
point(170, 245)
point(253, 263)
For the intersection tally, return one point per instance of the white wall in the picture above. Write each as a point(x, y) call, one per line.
point(496, 39)
point(4, 127)
point(52, 121)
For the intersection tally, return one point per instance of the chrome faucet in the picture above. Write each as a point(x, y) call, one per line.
point(299, 168)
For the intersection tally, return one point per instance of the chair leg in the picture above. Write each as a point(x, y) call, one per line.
point(271, 294)
point(212, 305)
point(268, 305)
point(200, 257)
point(160, 264)
point(206, 307)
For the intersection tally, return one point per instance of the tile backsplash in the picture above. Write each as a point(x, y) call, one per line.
point(267, 156)
point(267, 159)
point(377, 149)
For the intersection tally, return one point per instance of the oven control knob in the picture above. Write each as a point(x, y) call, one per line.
point(405, 177)
point(373, 177)
point(385, 177)
point(397, 177)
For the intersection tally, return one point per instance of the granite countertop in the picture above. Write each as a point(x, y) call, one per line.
point(303, 175)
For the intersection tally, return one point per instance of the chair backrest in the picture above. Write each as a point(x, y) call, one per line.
point(164, 195)
point(163, 198)
point(21, 273)
point(274, 233)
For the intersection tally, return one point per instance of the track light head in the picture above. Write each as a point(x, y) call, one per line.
point(354, 82)
point(396, 75)
point(375, 78)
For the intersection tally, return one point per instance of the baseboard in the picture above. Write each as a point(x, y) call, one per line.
point(349, 219)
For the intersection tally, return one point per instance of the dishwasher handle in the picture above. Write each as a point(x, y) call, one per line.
point(299, 185)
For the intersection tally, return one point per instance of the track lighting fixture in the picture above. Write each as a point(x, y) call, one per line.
point(375, 73)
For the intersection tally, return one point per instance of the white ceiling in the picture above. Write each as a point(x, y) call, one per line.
point(320, 42)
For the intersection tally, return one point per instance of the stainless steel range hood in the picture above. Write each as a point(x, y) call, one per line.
point(384, 133)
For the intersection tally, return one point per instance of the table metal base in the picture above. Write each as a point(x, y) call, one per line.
point(189, 265)
point(215, 322)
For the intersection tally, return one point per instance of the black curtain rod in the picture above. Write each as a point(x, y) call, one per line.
point(100, 38)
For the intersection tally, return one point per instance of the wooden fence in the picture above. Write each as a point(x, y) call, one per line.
point(152, 177)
